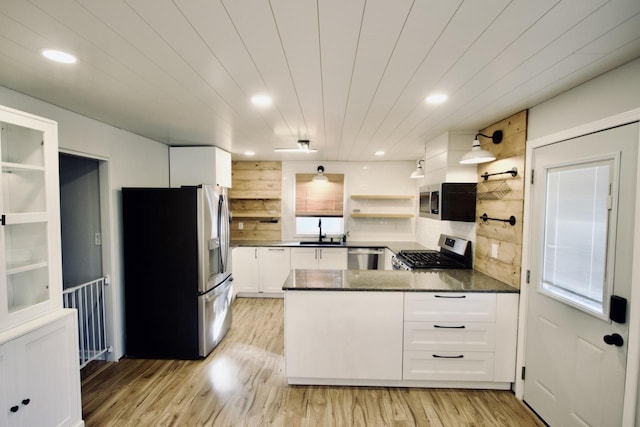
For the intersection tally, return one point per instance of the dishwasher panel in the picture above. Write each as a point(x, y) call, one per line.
point(366, 259)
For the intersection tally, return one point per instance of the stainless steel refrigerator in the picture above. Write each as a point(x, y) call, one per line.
point(177, 271)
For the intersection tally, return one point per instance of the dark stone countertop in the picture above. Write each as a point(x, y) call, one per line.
point(455, 280)
point(395, 247)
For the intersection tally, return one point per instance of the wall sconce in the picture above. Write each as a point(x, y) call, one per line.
point(419, 172)
point(320, 177)
point(478, 155)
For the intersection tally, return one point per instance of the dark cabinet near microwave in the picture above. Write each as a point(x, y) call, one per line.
point(450, 201)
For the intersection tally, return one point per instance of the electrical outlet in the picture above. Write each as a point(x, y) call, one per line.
point(241, 226)
point(494, 250)
point(98, 239)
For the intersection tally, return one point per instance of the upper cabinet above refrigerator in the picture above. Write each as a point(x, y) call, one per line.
point(199, 165)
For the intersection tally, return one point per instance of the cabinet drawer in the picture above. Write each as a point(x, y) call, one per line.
point(449, 336)
point(447, 366)
point(449, 307)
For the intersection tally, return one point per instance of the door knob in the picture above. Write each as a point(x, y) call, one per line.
point(614, 339)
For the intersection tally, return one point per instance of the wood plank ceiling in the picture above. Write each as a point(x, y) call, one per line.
point(351, 76)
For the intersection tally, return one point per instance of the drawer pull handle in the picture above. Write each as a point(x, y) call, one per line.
point(460, 356)
point(449, 327)
point(450, 296)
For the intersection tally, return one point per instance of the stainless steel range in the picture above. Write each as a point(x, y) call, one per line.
point(455, 252)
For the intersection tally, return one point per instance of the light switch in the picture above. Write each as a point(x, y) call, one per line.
point(240, 225)
point(494, 250)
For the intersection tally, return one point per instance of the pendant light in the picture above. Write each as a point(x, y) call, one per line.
point(477, 154)
point(320, 177)
point(419, 172)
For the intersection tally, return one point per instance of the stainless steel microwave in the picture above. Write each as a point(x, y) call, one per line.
point(451, 201)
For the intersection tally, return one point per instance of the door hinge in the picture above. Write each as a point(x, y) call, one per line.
point(528, 276)
point(522, 374)
point(532, 171)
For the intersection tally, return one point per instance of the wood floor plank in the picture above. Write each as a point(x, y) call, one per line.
point(242, 383)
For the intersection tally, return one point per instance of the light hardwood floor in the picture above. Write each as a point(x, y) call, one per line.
point(242, 383)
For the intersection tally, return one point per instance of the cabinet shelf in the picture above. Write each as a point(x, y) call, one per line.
point(380, 215)
point(25, 218)
point(382, 197)
point(19, 167)
point(23, 267)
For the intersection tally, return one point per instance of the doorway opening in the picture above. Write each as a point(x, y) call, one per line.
point(84, 280)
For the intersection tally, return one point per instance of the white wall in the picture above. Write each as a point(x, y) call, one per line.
point(132, 161)
point(442, 164)
point(615, 92)
point(611, 93)
point(362, 178)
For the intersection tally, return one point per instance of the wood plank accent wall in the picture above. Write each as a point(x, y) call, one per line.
point(502, 196)
point(256, 200)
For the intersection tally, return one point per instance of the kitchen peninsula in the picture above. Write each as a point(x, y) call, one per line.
point(438, 328)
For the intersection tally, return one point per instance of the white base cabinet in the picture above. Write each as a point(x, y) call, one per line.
point(40, 374)
point(343, 335)
point(319, 258)
point(412, 339)
point(260, 271)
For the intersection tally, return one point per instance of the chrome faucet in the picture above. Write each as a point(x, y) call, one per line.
point(320, 235)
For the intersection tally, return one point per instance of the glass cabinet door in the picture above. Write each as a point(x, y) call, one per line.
point(26, 218)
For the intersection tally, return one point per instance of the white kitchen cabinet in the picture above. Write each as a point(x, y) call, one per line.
point(466, 337)
point(30, 220)
point(39, 368)
point(275, 266)
point(199, 165)
point(246, 269)
point(39, 373)
point(319, 258)
point(408, 339)
point(260, 271)
point(343, 335)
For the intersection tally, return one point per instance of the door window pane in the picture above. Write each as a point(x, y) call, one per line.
point(575, 236)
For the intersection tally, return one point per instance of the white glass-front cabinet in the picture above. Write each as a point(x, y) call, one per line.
point(30, 283)
point(39, 370)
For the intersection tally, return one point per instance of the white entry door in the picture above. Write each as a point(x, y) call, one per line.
point(583, 201)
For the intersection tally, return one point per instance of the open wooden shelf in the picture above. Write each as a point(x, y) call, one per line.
point(380, 215)
point(248, 214)
point(382, 197)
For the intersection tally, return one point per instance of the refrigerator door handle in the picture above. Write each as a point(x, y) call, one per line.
point(223, 261)
point(214, 244)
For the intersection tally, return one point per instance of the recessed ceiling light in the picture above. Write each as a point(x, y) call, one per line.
point(436, 98)
point(249, 153)
point(59, 56)
point(261, 100)
point(379, 153)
